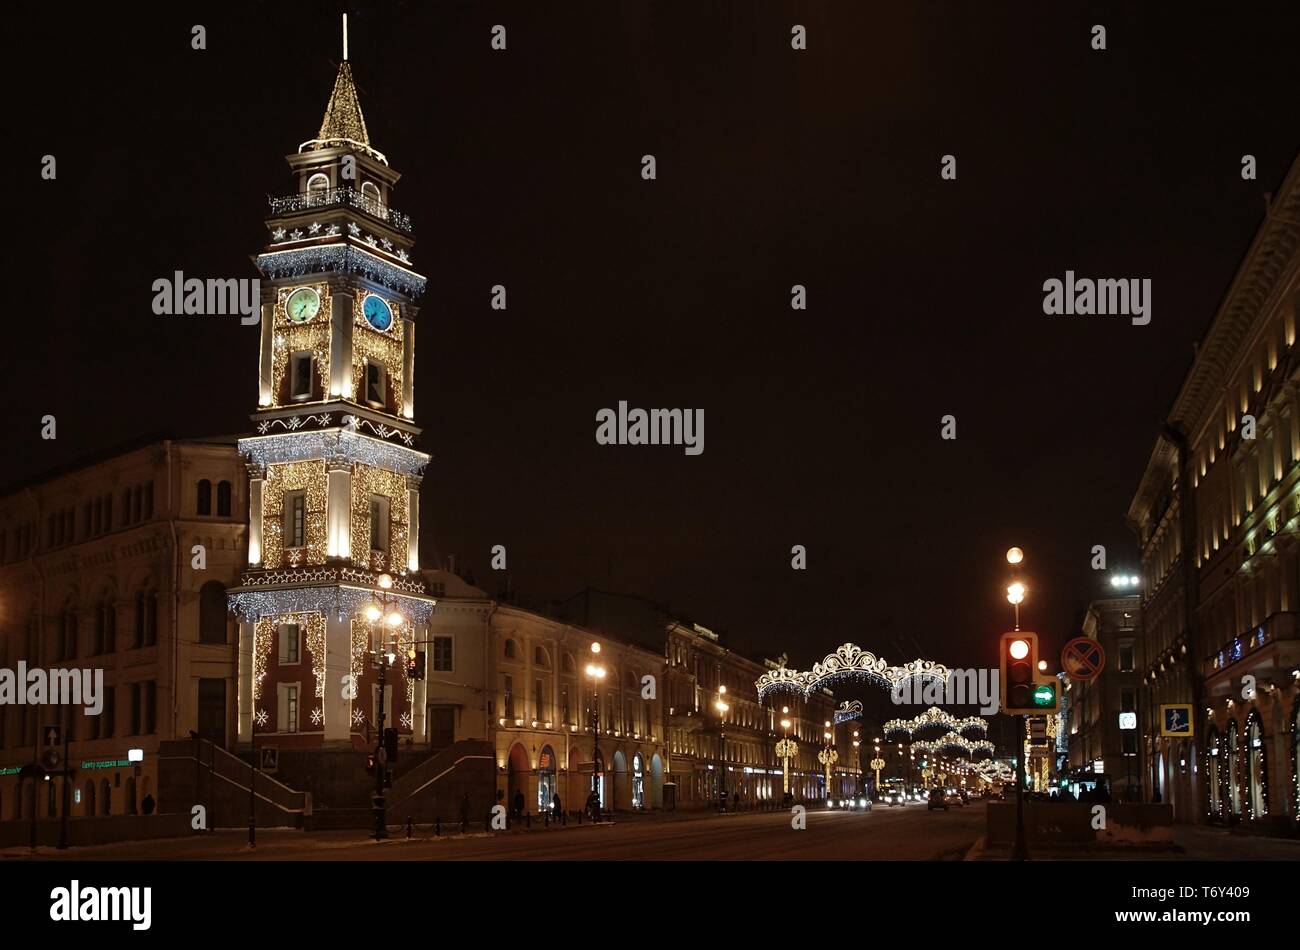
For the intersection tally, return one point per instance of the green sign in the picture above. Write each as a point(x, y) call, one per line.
point(11, 770)
point(105, 764)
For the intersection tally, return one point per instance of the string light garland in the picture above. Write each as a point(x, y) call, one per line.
point(383, 347)
point(934, 717)
point(339, 258)
point(368, 481)
point(265, 451)
point(341, 601)
point(308, 477)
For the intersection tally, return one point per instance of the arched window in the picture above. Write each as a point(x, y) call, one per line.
point(1215, 773)
point(105, 798)
point(205, 497)
point(1295, 760)
point(146, 618)
point(1234, 789)
point(629, 680)
point(212, 613)
point(540, 657)
point(69, 647)
point(105, 626)
point(370, 190)
point(1257, 767)
point(223, 499)
point(568, 664)
point(510, 650)
point(318, 183)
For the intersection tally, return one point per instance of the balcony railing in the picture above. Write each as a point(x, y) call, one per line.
point(1280, 626)
point(341, 196)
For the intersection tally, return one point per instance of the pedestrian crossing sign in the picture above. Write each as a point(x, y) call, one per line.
point(1175, 720)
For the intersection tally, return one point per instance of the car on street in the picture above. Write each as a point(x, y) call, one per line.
point(895, 796)
point(937, 800)
point(951, 797)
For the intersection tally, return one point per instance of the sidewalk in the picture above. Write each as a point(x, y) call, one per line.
point(1191, 843)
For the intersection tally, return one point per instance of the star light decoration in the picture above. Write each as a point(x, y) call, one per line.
point(848, 662)
point(354, 229)
point(934, 717)
point(277, 234)
point(315, 227)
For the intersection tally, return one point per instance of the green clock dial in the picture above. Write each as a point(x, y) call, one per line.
point(303, 304)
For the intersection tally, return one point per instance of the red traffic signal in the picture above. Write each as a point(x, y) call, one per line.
point(1022, 690)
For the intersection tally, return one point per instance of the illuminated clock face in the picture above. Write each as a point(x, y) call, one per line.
point(303, 304)
point(378, 314)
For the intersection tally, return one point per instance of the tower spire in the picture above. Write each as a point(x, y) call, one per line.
point(343, 124)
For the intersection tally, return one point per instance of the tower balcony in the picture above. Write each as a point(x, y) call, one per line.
point(346, 196)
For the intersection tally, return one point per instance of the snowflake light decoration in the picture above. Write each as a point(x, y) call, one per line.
point(317, 716)
point(358, 717)
point(406, 719)
point(261, 717)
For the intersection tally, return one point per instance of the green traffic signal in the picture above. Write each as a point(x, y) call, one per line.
point(1045, 695)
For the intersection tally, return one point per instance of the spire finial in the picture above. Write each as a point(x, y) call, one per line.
point(345, 37)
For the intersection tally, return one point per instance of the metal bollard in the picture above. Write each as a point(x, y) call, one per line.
point(410, 827)
point(437, 827)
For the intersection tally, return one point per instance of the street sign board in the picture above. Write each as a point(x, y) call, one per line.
point(1175, 720)
point(1037, 731)
point(1128, 720)
point(1083, 659)
point(270, 758)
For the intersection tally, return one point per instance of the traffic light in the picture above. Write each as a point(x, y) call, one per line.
point(415, 666)
point(1023, 690)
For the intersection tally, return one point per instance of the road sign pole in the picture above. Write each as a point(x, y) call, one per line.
point(1020, 852)
point(67, 777)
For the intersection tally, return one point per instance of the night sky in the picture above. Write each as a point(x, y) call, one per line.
point(775, 167)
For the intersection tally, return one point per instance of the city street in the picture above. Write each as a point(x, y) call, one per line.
point(901, 833)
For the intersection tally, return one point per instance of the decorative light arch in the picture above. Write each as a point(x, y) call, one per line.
point(953, 741)
point(850, 662)
point(936, 718)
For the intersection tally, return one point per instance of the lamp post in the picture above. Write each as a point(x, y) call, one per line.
point(597, 673)
point(1020, 851)
point(786, 749)
point(721, 706)
point(828, 757)
point(375, 611)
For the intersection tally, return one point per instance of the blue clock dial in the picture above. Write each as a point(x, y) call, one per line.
point(378, 314)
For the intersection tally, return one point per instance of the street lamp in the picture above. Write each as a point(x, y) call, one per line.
point(597, 673)
point(721, 706)
point(786, 749)
point(385, 656)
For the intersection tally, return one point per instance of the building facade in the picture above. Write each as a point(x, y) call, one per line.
point(1102, 750)
point(120, 567)
point(1217, 515)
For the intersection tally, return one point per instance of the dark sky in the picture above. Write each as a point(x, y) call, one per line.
point(774, 168)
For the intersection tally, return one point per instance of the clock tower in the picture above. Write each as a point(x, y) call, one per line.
point(332, 587)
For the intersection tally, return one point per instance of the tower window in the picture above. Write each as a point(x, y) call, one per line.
point(300, 386)
point(295, 519)
point(371, 191)
point(379, 523)
point(290, 637)
point(375, 385)
point(223, 499)
point(205, 497)
point(318, 183)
